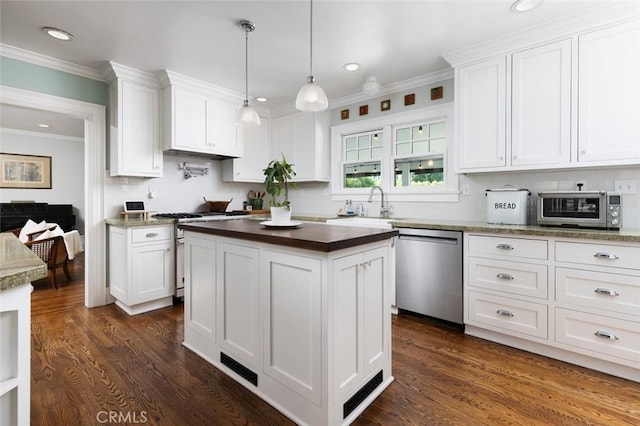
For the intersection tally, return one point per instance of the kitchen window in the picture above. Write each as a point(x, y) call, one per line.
point(406, 154)
point(362, 159)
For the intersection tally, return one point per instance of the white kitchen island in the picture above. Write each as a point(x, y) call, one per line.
point(301, 317)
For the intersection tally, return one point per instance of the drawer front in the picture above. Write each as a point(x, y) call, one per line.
point(612, 292)
point(511, 247)
point(511, 277)
point(602, 335)
point(598, 254)
point(151, 233)
point(508, 315)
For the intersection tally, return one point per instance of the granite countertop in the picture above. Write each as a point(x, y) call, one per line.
point(623, 235)
point(133, 223)
point(310, 236)
point(19, 265)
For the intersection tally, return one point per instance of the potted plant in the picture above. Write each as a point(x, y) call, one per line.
point(277, 175)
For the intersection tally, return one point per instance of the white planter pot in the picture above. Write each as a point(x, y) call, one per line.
point(280, 215)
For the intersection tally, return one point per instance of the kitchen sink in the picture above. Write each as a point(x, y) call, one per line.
point(364, 222)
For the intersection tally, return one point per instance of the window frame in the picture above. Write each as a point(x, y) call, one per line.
point(448, 192)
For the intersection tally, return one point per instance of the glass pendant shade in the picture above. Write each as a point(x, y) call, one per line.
point(247, 116)
point(311, 97)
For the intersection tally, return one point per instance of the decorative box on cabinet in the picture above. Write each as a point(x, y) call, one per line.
point(200, 118)
point(257, 153)
point(134, 120)
point(304, 139)
point(141, 267)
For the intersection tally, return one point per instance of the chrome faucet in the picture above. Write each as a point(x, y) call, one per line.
point(384, 209)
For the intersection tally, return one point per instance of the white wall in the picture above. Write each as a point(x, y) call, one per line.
point(174, 193)
point(67, 169)
point(316, 198)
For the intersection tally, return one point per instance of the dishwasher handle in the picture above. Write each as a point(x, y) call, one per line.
point(429, 239)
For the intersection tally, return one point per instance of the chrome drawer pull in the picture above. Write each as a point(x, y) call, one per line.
point(504, 247)
point(606, 291)
point(504, 313)
point(504, 276)
point(152, 234)
point(605, 255)
point(606, 334)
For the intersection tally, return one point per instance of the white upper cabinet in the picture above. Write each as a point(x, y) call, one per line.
point(304, 140)
point(199, 118)
point(541, 105)
point(529, 129)
point(572, 102)
point(609, 95)
point(481, 106)
point(257, 154)
point(134, 121)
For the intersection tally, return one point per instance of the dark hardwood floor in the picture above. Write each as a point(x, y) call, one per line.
point(101, 366)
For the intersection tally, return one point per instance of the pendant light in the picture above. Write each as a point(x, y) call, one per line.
point(246, 115)
point(311, 97)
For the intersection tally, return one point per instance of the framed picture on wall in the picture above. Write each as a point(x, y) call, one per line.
point(25, 171)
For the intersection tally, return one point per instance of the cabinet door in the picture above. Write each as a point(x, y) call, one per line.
point(223, 135)
point(152, 272)
point(199, 293)
point(609, 95)
point(282, 138)
point(238, 302)
point(292, 291)
point(541, 105)
point(190, 121)
point(311, 146)
point(481, 114)
point(135, 141)
point(256, 155)
point(360, 327)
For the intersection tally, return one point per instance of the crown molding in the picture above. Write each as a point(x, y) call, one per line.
point(589, 19)
point(167, 77)
point(49, 62)
point(9, 131)
point(112, 70)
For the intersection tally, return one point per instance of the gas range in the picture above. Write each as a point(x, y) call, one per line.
point(182, 217)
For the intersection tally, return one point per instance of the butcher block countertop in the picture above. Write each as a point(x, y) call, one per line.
point(309, 236)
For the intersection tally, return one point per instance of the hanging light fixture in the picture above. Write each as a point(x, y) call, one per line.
point(247, 116)
point(311, 97)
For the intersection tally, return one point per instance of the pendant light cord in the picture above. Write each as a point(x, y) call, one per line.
point(246, 66)
point(311, 40)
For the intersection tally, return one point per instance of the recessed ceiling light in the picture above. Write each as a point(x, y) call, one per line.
point(351, 66)
point(46, 126)
point(58, 34)
point(261, 99)
point(525, 5)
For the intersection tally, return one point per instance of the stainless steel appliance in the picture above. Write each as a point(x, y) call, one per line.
point(179, 237)
point(429, 273)
point(580, 209)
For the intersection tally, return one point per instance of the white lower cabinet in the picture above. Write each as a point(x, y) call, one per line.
point(304, 330)
point(575, 300)
point(141, 267)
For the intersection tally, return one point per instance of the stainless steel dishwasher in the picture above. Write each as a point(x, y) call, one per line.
point(429, 273)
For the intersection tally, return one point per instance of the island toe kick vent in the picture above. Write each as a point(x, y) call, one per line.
point(361, 395)
point(239, 369)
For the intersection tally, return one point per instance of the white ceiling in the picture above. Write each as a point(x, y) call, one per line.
point(394, 40)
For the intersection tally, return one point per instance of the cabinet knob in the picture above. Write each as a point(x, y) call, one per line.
point(504, 276)
point(504, 247)
point(606, 291)
point(152, 234)
point(504, 313)
point(605, 255)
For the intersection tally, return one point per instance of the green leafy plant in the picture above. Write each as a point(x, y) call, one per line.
point(277, 176)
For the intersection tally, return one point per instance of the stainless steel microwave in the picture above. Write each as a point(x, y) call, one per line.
point(580, 209)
